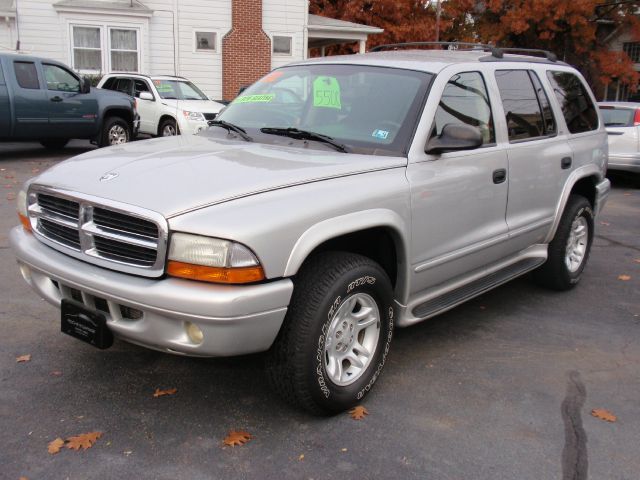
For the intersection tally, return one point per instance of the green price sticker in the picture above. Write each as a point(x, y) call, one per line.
point(326, 93)
point(264, 98)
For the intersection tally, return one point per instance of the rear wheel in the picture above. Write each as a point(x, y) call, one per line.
point(54, 143)
point(115, 131)
point(336, 335)
point(569, 249)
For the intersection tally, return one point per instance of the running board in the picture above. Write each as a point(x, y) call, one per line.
point(475, 288)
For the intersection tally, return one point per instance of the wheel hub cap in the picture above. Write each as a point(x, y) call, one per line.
point(577, 244)
point(351, 339)
point(117, 135)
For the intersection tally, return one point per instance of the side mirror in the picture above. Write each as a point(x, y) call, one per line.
point(146, 96)
point(85, 85)
point(454, 137)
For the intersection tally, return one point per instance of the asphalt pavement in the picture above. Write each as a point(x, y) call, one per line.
point(499, 388)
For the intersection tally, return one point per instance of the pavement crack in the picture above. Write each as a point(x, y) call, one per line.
point(574, 453)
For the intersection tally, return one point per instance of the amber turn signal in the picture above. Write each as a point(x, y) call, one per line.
point(26, 223)
point(215, 274)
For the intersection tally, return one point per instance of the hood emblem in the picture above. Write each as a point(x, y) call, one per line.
point(108, 176)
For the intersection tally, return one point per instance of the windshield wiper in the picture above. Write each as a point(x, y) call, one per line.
point(304, 135)
point(231, 128)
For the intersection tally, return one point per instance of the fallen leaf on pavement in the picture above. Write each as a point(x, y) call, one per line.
point(23, 358)
point(301, 457)
point(603, 414)
point(624, 278)
point(606, 224)
point(168, 391)
point(358, 413)
point(627, 194)
point(84, 440)
point(55, 446)
point(343, 449)
point(56, 373)
point(237, 438)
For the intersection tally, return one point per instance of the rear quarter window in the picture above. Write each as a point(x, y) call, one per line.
point(26, 75)
point(577, 108)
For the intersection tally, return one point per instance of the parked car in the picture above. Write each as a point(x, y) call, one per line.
point(44, 100)
point(622, 121)
point(167, 105)
point(334, 200)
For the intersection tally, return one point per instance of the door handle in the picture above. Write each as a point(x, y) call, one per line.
point(500, 175)
point(565, 163)
point(56, 99)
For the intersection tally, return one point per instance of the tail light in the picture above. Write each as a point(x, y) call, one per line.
point(636, 118)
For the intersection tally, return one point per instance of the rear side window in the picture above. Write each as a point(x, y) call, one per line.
point(465, 100)
point(617, 117)
point(526, 106)
point(26, 75)
point(124, 85)
point(578, 109)
point(110, 83)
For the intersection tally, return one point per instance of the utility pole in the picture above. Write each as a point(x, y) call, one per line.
point(438, 13)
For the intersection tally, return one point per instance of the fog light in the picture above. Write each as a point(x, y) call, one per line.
point(194, 332)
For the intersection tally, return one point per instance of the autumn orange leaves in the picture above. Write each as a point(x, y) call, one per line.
point(77, 442)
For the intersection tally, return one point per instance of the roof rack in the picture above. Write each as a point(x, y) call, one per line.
point(496, 52)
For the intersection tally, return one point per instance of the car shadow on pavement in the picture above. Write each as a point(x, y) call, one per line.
point(36, 152)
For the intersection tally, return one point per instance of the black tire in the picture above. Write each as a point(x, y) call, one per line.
point(107, 139)
point(54, 143)
point(296, 363)
point(555, 273)
point(168, 123)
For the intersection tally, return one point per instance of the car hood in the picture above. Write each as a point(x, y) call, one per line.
point(206, 106)
point(179, 174)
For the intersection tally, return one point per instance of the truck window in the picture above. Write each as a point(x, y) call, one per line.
point(59, 79)
point(26, 75)
point(1, 75)
point(110, 84)
point(577, 107)
point(124, 85)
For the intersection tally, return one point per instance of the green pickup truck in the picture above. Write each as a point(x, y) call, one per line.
point(44, 100)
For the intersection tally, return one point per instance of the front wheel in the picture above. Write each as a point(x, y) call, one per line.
point(336, 336)
point(168, 128)
point(570, 247)
point(115, 131)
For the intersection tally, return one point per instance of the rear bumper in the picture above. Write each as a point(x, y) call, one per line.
point(234, 320)
point(602, 193)
point(627, 163)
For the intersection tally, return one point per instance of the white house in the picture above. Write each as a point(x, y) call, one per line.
point(219, 44)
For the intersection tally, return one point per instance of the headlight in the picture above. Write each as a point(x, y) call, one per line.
point(212, 260)
point(21, 206)
point(194, 116)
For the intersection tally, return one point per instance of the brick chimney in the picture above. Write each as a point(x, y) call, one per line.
point(246, 49)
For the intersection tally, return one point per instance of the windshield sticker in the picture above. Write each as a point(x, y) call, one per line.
point(263, 98)
point(164, 88)
point(380, 134)
point(272, 77)
point(326, 93)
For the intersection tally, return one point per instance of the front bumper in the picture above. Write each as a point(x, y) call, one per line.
point(627, 163)
point(235, 320)
point(602, 193)
point(191, 127)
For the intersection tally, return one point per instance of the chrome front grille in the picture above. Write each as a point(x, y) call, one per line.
point(112, 235)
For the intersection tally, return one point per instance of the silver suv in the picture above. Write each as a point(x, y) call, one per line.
point(334, 200)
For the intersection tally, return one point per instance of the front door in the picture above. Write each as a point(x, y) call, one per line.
point(458, 199)
point(147, 109)
point(71, 114)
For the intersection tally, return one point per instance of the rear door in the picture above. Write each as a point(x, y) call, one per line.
point(540, 159)
point(31, 105)
point(5, 110)
point(71, 114)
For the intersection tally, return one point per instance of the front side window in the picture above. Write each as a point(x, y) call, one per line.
point(368, 109)
point(205, 41)
point(577, 108)
point(282, 45)
point(521, 105)
point(26, 75)
point(87, 48)
point(60, 80)
point(178, 90)
point(139, 86)
point(465, 101)
point(124, 49)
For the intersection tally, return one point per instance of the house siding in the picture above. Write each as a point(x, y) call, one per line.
point(286, 18)
point(7, 34)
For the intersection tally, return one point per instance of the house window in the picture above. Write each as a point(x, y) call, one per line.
point(123, 49)
point(282, 45)
point(87, 49)
point(633, 50)
point(205, 41)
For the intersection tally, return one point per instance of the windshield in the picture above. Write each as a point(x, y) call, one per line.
point(178, 90)
point(368, 109)
point(617, 117)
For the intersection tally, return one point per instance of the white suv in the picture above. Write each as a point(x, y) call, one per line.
point(167, 105)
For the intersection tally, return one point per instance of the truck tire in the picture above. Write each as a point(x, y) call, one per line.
point(570, 247)
point(54, 143)
point(336, 335)
point(168, 128)
point(115, 131)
